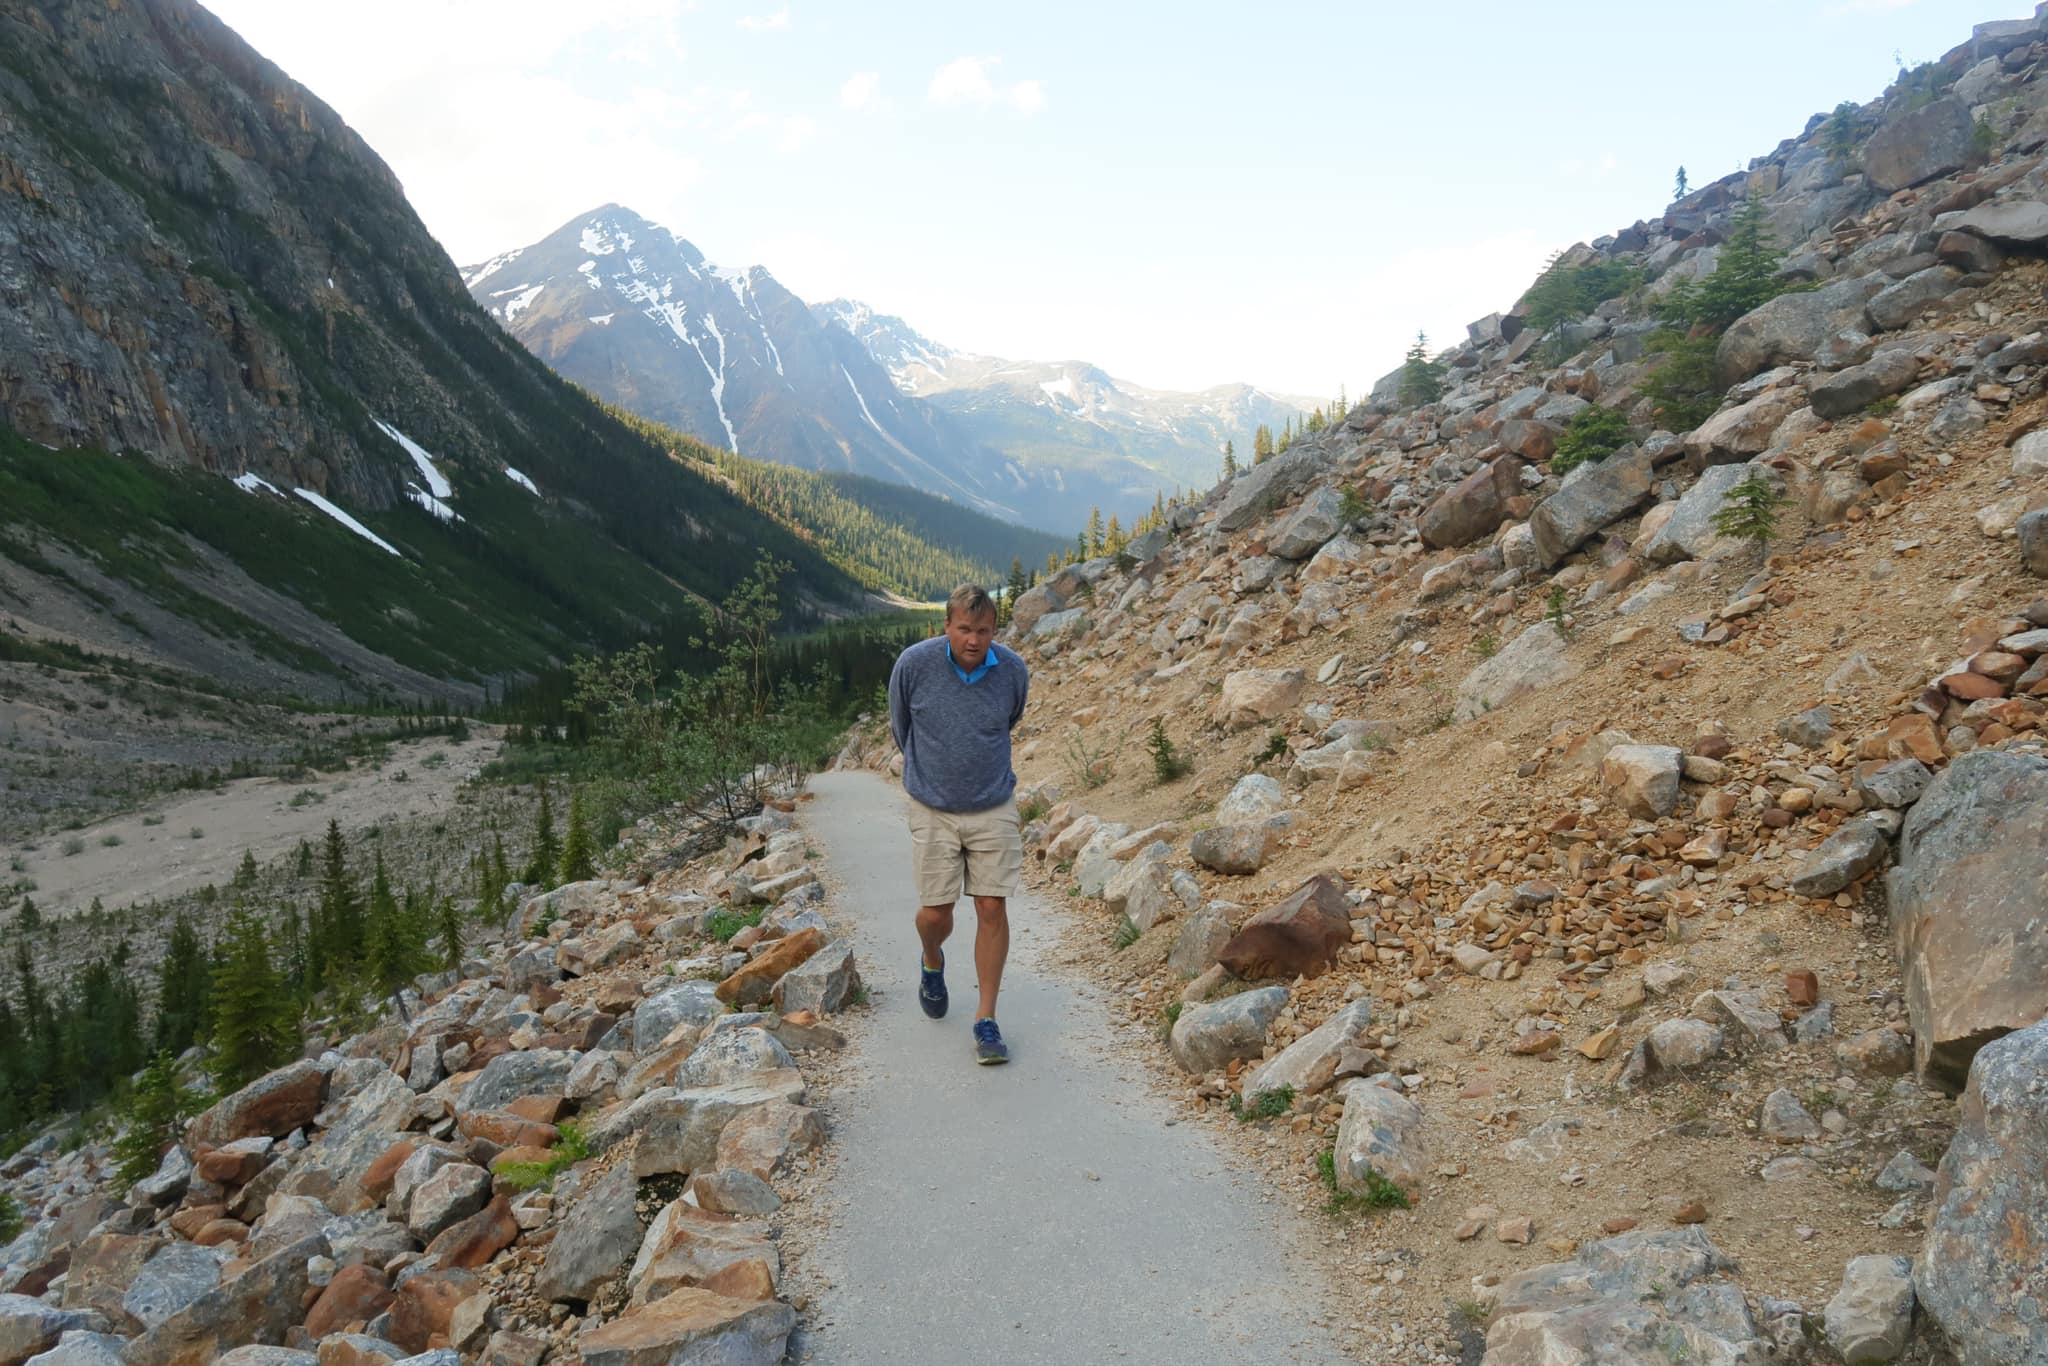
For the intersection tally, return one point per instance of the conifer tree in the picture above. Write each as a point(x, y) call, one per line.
point(246, 872)
point(253, 1022)
point(547, 850)
point(576, 854)
point(1422, 379)
point(338, 939)
point(448, 930)
point(1091, 544)
point(1678, 189)
point(1017, 585)
point(184, 994)
point(28, 919)
point(501, 871)
point(386, 955)
point(302, 863)
point(1113, 537)
point(1262, 444)
point(155, 1116)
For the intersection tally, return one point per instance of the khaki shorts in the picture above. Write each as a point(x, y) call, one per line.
point(987, 844)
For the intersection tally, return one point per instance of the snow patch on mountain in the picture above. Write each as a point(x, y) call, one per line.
point(351, 523)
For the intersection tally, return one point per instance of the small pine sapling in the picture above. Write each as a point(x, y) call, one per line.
point(1167, 761)
point(1750, 512)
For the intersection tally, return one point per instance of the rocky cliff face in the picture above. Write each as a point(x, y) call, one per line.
point(201, 263)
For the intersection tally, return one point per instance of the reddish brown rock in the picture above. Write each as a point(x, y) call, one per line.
point(755, 983)
point(474, 1241)
point(763, 1138)
point(357, 1294)
point(505, 1129)
point(1802, 987)
point(187, 1222)
point(222, 1231)
point(272, 1105)
point(691, 1325)
point(540, 1109)
point(101, 1270)
point(382, 1172)
point(421, 1309)
point(1971, 687)
point(748, 1280)
point(1536, 1043)
point(232, 1165)
point(1300, 937)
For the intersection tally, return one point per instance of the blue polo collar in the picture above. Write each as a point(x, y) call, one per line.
point(980, 670)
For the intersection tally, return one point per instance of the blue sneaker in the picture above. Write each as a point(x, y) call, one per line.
point(989, 1048)
point(931, 990)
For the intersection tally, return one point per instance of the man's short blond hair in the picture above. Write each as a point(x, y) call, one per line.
point(971, 599)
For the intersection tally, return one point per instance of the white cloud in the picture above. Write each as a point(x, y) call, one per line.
point(861, 90)
point(766, 23)
point(966, 80)
point(796, 131)
point(963, 80)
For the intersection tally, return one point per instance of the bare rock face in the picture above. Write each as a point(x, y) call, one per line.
point(1473, 507)
point(1969, 908)
point(257, 1306)
point(1300, 937)
point(1918, 146)
point(272, 1105)
point(1983, 1273)
point(595, 1241)
point(1531, 662)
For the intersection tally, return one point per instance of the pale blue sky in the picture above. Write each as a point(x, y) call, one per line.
point(1183, 193)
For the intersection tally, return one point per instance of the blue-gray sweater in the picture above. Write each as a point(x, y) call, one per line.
point(955, 736)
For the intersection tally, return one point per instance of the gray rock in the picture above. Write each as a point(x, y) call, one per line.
point(1969, 907)
point(1207, 1037)
point(1877, 1052)
point(1673, 1045)
point(1917, 146)
point(29, 1327)
point(1531, 662)
point(1815, 1025)
point(257, 1355)
point(1905, 1174)
point(679, 1130)
point(358, 1132)
point(1263, 488)
point(1053, 625)
point(1690, 534)
point(734, 1192)
point(1658, 1299)
point(446, 1198)
point(1792, 327)
point(1303, 533)
point(1901, 303)
point(1958, 418)
point(1809, 729)
point(596, 1238)
point(1380, 1135)
point(692, 1326)
point(1856, 388)
point(1784, 1120)
point(1032, 605)
point(1310, 1064)
point(167, 1185)
point(1981, 1273)
point(80, 1347)
point(1202, 936)
point(1871, 1316)
point(1593, 501)
point(174, 1277)
point(733, 1055)
point(1093, 866)
point(1252, 799)
point(1143, 890)
point(1644, 779)
point(826, 982)
point(258, 1306)
point(505, 1078)
point(696, 1003)
point(1754, 1026)
point(1859, 847)
point(1735, 434)
point(2033, 542)
point(1235, 850)
point(2022, 222)
point(1897, 784)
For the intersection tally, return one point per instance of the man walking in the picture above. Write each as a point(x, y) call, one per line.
point(953, 701)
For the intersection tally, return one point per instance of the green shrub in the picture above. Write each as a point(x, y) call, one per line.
point(571, 1146)
point(1486, 646)
point(1565, 293)
point(1592, 435)
point(1124, 935)
point(1167, 761)
point(10, 1217)
point(1269, 1105)
point(1353, 506)
point(1031, 809)
point(73, 847)
point(1379, 1192)
point(1750, 512)
point(723, 923)
point(1683, 386)
point(1745, 276)
point(1276, 746)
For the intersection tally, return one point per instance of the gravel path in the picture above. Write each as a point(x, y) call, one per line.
point(1048, 1211)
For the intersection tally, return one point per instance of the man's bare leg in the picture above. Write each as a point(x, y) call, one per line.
point(934, 925)
point(991, 947)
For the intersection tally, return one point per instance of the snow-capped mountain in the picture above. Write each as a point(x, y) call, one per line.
point(635, 314)
point(1066, 412)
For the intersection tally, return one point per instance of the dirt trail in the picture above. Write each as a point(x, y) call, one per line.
point(1049, 1211)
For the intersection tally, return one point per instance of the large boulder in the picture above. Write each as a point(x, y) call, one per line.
point(1969, 908)
point(1253, 696)
point(28, 1327)
point(729, 1055)
point(679, 1130)
point(1983, 1273)
point(1202, 936)
point(595, 1240)
point(1690, 533)
point(693, 1003)
point(1532, 661)
point(2033, 539)
point(1473, 507)
point(1643, 779)
point(1590, 503)
point(1032, 605)
point(1207, 1038)
point(507, 1077)
point(1653, 1298)
point(1302, 534)
point(1300, 937)
point(174, 1277)
point(2018, 222)
point(1735, 434)
point(754, 984)
point(692, 1325)
point(272, 1105)
point(1792, 327)
point(1859, 386)
point(335, 1170)
point(1856, 849)
point(1379, 1136)
point(1233, 850)
point(824, 983)
point(1263, 488)
point(1917, 146)
point(1899, 304)
point(1309, 1065)
point(1252, 800)
point(258, 1306)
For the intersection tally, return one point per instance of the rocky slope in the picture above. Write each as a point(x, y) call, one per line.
point(571, 1148)
point(1646, 929)
point(1070, 414)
